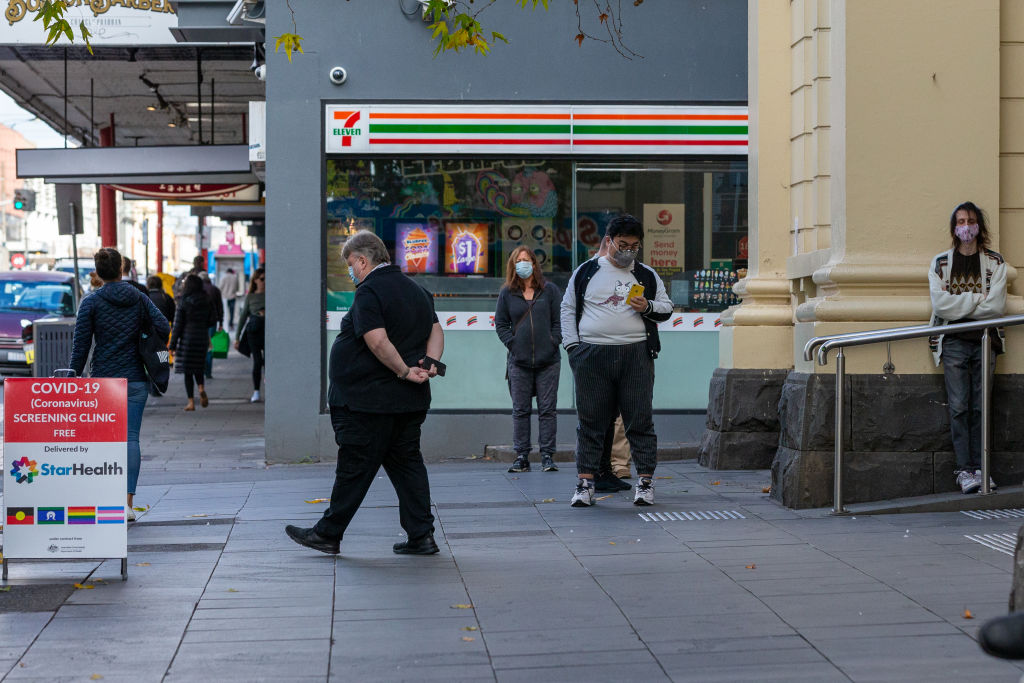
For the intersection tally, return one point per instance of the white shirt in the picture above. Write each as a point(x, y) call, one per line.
point(607, 318)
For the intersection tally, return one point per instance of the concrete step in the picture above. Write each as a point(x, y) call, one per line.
point(1003, 497)
point(567, 452)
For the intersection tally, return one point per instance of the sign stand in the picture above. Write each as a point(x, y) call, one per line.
point(65, 444)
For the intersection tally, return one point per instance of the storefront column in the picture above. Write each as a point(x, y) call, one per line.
point(885, 143)
point(756, 339)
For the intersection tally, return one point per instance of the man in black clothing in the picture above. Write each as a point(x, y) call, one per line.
point(379, 397)
point(126, 274)
point(164, 302)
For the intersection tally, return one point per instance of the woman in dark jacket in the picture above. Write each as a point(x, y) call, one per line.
point(112, 315)
point(162, 300)
point(191, 338)
point(527, 322)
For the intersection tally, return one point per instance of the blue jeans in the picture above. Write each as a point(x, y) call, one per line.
point(961, 367)
point(138, 392)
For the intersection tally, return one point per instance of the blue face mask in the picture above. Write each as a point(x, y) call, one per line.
point(524, 269)
point(352, 274)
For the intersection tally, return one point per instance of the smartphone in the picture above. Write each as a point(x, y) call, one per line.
point(441, 367)
point(635, 290)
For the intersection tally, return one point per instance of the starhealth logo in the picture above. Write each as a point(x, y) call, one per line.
point(24, 470)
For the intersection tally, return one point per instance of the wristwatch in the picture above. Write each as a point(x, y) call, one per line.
point(405, 374)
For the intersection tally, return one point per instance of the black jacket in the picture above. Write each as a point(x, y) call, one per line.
point(112, 315)
point(534, 342)
point(191, 337)
point(163, 302)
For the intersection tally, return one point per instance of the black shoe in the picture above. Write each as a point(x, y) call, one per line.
point(606, 481)
point(1003, 636)
point(311, 539)
point(421, 546)
point(548, 464)
point(520, 465)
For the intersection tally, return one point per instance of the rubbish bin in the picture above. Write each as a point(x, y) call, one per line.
point(52, 340)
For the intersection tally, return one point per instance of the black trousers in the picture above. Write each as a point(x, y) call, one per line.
point(367, 441)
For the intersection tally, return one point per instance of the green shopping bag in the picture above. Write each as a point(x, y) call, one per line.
point(220, 341)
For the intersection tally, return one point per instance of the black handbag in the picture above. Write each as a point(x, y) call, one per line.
point(153, 351)
point(243, 340)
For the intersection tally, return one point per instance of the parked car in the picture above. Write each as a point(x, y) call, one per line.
point(26, 296)
point(85, 266)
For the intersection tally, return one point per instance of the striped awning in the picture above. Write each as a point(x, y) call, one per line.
point(548, 130)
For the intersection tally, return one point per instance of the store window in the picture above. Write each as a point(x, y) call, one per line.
point(452, 223)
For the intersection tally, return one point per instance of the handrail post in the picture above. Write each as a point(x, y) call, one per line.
point(986, 407)
point(837, 495)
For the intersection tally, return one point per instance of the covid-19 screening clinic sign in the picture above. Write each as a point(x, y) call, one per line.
point(66, 463)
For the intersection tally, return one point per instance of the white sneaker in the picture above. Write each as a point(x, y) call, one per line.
point(644, 492)
point(991, 481)
point(255, 397)
point(131, 515)
point(967, 482)
point(584, 496)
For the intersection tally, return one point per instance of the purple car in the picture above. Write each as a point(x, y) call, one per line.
point(26, 296)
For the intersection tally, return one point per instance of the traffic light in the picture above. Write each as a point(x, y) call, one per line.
point(24, 200)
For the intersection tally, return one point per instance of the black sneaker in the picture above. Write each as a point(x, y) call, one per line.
point(520, 465)
point(606, 481)
point(548, 464)
point(421, 546)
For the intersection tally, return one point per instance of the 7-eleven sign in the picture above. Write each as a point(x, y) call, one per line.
point(346, 128)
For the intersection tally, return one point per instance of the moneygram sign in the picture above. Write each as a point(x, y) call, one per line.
point(65, 442)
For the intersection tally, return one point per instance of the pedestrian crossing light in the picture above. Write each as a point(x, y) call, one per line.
point(24, 200)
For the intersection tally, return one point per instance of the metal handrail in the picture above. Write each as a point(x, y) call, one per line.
point(841, 341)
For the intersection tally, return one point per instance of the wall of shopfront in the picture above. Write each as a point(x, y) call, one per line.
point(693, 54)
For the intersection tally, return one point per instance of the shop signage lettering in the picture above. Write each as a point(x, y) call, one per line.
point(17, 9)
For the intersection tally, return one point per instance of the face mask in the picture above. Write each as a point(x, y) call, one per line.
point(623, 258)
point(352, 274)
point(524, 269)
point(966, 233)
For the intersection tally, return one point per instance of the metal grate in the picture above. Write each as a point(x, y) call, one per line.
point(691, 516)
point(1003, 543)
point(994, 514)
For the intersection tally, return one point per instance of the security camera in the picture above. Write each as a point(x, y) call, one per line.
point(337, 74)
point(261, 72)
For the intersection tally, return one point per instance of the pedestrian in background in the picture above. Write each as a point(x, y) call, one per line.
point(112, 319)
point(379, 396)
point(156, 292)
point(190, 339)
point(611, 335)
point(619, 454)
point(967, 282)
point(251, 323)
point(217, 307)
point(128, 274)
point(527, 322)
point(230, 288)
point(95, 281)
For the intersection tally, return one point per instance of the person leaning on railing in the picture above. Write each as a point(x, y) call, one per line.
point(967, 283)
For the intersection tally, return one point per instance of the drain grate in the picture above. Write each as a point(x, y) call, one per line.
point(995, 514)
point(691, 516)
point(1003, 543)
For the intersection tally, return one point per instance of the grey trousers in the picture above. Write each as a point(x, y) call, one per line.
point(614, 380)
point(523, 385)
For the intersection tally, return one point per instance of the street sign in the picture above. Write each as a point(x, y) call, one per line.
point(66, 461)
point(69, 209)
point(18, 260)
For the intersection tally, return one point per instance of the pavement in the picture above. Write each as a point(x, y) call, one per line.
point(714, 583)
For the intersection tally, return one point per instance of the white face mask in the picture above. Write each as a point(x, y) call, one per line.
point(623, 258)
point(524, 269)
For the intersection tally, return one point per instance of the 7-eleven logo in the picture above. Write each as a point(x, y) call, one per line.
point(345, 126)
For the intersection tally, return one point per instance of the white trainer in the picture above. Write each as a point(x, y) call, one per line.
point(131, 515)
point(644, 492)
point(255, 397)
point(967, 482)
point(584, 496)
point(991, 481)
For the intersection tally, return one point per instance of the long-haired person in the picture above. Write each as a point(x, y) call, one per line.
point(251, 322)
point(109, 322)
point(191, 339)
point(528, 324)
point(967, 282)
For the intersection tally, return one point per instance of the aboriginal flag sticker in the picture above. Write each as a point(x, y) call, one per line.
point(21, 516)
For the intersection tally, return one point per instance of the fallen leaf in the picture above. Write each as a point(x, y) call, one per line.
point(548, 500)
point(470, 628)
point(99, 580)
point(488, 457)
point(766, 489)
point(319, 500)
point(232, 590)
point(140, 508)
point(967, 614)
point(84, 585)
point(462, 606)
point(611, 542)
point(468, 639)
point(95, 677)
point(5, 589)
point(663, 477)
point(473, 457)
point(715, 483)
point(142, 564)
point(751, 566)
point(21, 664)
point(199, 514)
point(604, 497)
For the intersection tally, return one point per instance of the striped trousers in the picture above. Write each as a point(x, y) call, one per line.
point(614, 380)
